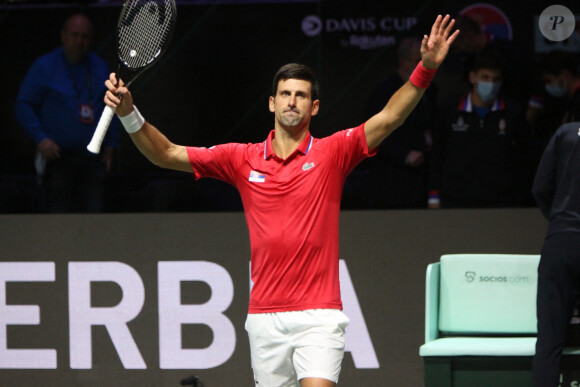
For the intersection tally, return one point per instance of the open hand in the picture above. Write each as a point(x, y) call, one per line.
point(434, 48)
point(49, 149)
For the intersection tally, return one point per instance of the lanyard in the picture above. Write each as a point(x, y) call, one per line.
point(78, 91)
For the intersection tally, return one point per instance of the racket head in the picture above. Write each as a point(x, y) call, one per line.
point(144, 31)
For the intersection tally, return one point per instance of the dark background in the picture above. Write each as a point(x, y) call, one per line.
point(213, 83)
point(212, 87)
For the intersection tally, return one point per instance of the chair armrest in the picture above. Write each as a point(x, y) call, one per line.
point(432, 302)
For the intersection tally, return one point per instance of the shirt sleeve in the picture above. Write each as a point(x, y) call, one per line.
point(29, 100)
point(544, 185)
point(350, 147)
point(219, 162)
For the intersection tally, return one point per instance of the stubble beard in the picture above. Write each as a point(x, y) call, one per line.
point(291, 121)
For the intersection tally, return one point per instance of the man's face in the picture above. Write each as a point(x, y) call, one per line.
point(485, 75)
point(557, 85)
point(560, 79)
point(464, 43)
point(292, 105)
point(486, 83)
point(76, 38)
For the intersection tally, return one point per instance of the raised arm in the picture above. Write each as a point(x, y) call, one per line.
point(434, 49)
point(148, 139)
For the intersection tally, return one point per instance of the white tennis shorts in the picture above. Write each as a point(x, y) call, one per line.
point(289, 346)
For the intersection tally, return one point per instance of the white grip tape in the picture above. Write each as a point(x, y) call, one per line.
point(101, 130)
point(133, 122)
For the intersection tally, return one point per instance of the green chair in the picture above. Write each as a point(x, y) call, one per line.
point(480, 320)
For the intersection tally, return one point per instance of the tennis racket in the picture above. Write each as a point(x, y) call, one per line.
point(144, 30)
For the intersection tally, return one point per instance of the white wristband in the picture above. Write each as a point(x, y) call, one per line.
point(133, 121)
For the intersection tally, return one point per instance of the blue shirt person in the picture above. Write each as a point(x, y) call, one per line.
point(58, 105)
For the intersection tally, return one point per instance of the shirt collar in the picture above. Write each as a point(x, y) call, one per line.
point(466, 105)
point(303, 148)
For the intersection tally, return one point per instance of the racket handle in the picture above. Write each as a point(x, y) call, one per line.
point(101, 130)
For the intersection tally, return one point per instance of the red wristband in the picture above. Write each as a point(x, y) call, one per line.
point(421, 76)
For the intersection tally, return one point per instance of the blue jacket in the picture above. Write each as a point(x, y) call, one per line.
point(48, 103)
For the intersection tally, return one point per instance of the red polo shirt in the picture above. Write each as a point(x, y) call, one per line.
point(292, 210)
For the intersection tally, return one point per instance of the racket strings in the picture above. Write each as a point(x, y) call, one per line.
point(144, 31)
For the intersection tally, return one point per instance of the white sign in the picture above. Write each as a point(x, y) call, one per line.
point(172, 315)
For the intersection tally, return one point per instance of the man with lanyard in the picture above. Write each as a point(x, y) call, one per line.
point(291, 186)
point(58, 105)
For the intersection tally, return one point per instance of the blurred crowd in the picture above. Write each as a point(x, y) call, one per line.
point(474, 140)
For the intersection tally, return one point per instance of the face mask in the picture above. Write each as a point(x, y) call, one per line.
point(556, 90)
point(487, 91)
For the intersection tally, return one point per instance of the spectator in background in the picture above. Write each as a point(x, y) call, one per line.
point(562, 81)
point(480, 157)
point(560, 102)
point(520, 81)
point(399, 173)
point(59, 104)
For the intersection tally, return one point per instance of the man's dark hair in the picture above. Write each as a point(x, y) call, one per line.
point(72, 15)
point(556, 61)
point(467, 24)
point(296, 71)
point(470, 29)
point(488, 59)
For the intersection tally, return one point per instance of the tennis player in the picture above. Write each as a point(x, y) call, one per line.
point(291, 186)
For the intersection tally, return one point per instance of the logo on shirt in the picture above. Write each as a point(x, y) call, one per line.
point(501, 127)
point(257, 177)
point(308, 166)
point(460, 125)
